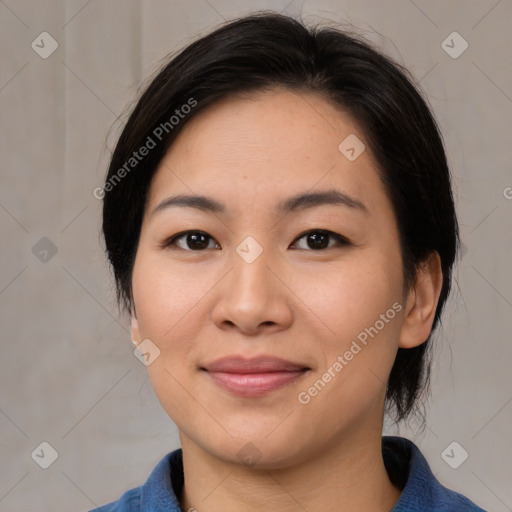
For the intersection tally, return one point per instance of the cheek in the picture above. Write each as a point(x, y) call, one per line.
point(349, 296)
point(168, 304)
point(360, 303)
point(168, 297)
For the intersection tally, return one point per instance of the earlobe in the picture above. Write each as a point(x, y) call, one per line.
point(135, 331)
point(421, 303)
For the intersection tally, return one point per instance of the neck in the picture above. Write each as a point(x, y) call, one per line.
point(347, 476)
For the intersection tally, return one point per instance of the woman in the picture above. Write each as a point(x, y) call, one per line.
point(279, 218)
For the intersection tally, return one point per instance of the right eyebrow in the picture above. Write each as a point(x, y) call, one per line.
point(300, 201)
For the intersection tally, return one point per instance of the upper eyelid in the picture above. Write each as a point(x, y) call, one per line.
point(341, 238)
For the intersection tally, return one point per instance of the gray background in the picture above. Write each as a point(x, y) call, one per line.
point(68, 373)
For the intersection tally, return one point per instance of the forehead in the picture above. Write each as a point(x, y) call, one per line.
point(252, 150)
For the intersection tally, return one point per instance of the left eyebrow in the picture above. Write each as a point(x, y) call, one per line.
point(301, 201)
point(310, 200)
point(202, 203)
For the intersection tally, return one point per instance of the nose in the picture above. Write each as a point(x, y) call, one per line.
point(252, 299)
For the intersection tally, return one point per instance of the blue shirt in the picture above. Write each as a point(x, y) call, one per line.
point(405, 464)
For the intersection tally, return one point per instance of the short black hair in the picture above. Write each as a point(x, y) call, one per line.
point(266, 50)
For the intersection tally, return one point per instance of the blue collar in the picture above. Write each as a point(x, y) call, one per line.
point(406, 466)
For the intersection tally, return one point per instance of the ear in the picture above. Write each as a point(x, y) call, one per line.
point(421, 303)
point(136, 338)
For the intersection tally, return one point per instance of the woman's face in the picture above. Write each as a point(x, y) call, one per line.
point(255, 284)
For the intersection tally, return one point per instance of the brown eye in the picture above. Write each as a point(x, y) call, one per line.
point(319, 239)
point(195, 241)
point(192, 241)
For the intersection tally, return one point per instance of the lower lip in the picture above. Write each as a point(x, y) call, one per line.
point(254, 384)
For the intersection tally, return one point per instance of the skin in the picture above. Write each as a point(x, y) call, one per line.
point(293, 302)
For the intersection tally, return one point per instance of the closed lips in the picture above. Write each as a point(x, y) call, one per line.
point(253, 377)
point(262, 364)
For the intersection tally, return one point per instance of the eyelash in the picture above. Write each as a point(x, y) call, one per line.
point(342, 241)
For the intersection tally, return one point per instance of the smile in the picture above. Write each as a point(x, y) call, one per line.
point(254, 384)
point(253, 376)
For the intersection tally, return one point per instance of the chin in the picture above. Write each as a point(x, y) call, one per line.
point(259, 452)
